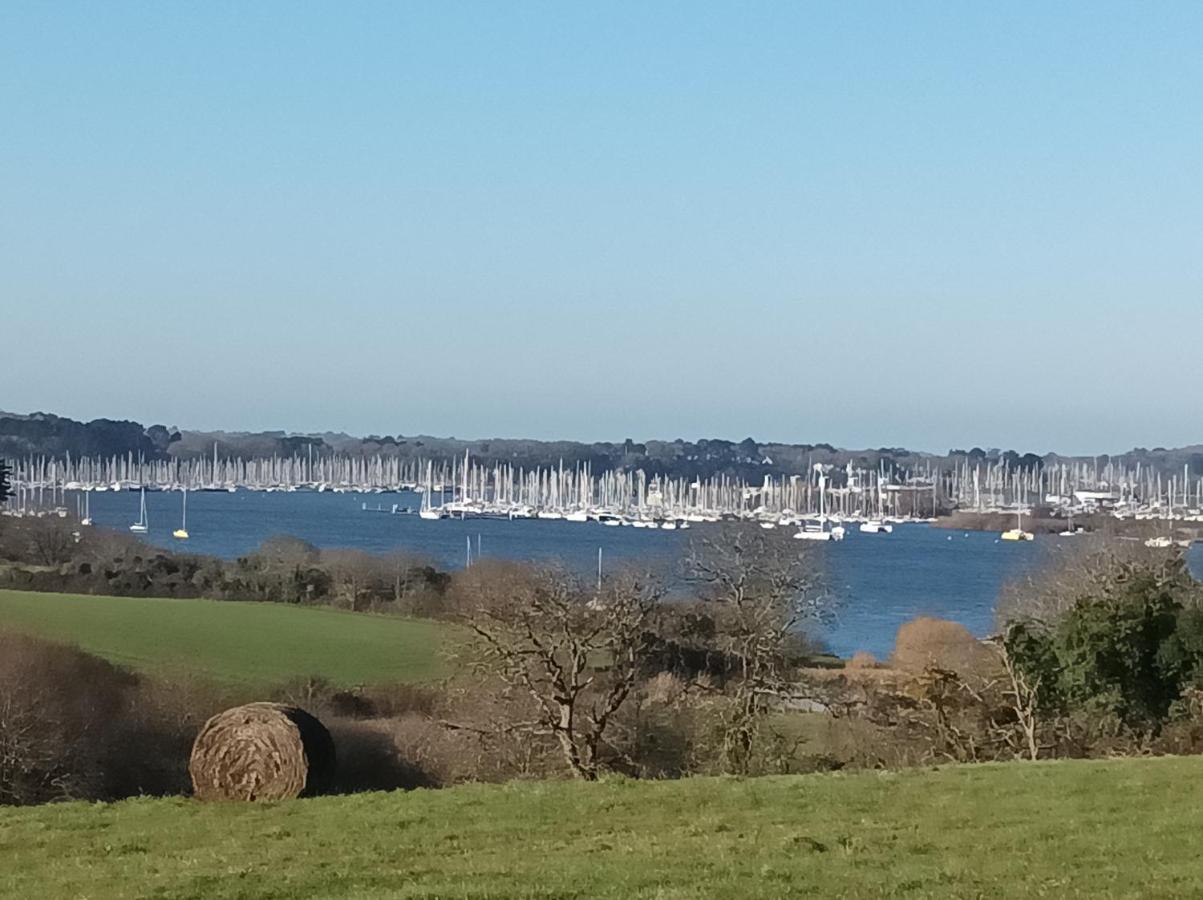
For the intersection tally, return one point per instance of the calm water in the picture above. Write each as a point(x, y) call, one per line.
point(882, 580)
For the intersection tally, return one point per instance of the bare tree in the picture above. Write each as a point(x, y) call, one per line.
point(1023, 692)
point(51, 541)
point(764, 586)
point(357, 578)
point(575, 652)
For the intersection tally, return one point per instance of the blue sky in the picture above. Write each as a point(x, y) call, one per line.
point(915, 224)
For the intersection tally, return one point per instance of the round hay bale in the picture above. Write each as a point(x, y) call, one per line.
point(261, 751)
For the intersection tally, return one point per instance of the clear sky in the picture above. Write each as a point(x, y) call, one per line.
point(920, 224)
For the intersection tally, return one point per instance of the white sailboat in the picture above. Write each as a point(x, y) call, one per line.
point(181, 533)
point(1017, 533)
point(822, 529)
point(876, 526)
point(428, 510)
point(1070, 530)
point(87, 519)
point(143, 523)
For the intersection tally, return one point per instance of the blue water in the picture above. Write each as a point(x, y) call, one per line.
point(880, 581)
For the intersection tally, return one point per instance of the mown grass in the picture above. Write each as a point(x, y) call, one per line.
point(232, 642)
point(1116, 829)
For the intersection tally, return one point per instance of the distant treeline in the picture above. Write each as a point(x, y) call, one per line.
point(53, 554)
point(44, 434)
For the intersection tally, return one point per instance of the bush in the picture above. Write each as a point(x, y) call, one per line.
point(862, 659)
point(378, 754)
point(927, 643)
point(57, 709)
point(74, 726)
point(53, 554)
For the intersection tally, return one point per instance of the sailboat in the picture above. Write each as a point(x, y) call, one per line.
point(181, 533)
point(822, 529)
point(1017, 533)
point(1070, 530)
point(87, 519)
point(877, 524)
point(428, 510)
point(143, 523)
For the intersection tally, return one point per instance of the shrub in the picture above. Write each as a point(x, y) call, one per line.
point(57, 709)
point(927, 643)
point(74, 726)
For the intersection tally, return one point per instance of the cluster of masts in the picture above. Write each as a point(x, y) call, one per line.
point(1079, 489)
point(624, 498)
point(466, 488)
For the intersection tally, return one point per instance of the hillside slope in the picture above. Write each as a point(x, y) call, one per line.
point(1069, 829)
point(230, 641)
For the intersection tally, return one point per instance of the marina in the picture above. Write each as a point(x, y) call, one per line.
point(466, 488)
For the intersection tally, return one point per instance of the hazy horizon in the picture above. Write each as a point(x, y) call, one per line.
point(870, 225)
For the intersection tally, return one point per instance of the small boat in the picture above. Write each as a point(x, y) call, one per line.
point(874, 526)
point(820, 530)
point(1071, 530)
point(181, 533)
point(1017, 533)
point(579, 515)
point(143, 523)
point(87, 518)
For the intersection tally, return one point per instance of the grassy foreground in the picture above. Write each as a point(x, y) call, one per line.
point(234, 642)
point(1068, 829)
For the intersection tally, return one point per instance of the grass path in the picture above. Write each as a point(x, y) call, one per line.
point(233, 642)
point(1116, 829)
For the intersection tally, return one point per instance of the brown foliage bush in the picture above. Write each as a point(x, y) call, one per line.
point(324, 699)
point(73, 726)
point(57, 706)
point(861, 659)
point(927, 643)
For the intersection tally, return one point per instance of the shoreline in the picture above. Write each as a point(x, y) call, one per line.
point(1097, 523)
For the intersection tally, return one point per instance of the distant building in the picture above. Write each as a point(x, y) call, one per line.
point(1097, 499)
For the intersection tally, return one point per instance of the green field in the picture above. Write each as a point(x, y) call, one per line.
point(232, 642)
point(1068, 829)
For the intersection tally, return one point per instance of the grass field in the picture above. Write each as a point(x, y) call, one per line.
point(1068, 829)
point(243, 643)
